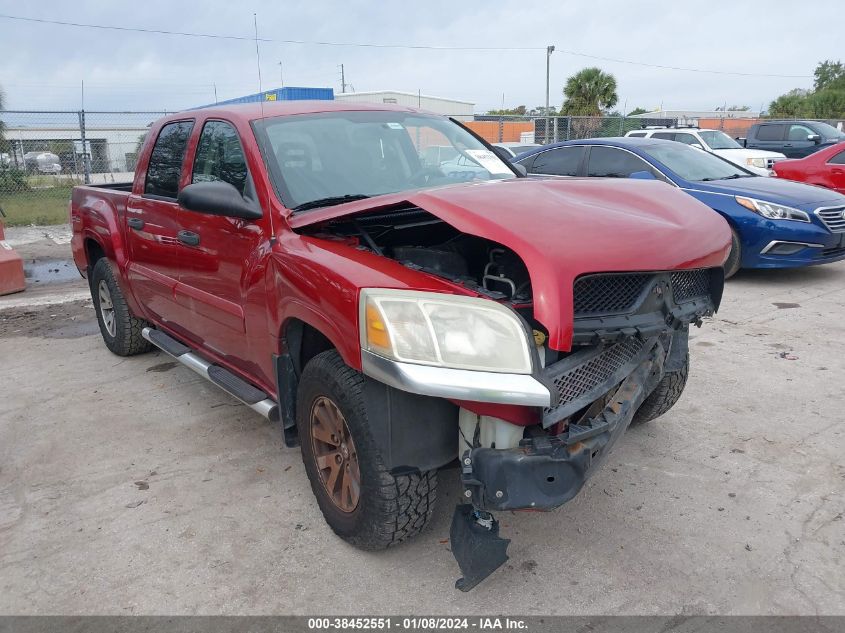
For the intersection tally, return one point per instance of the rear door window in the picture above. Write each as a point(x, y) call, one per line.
point(166, 159)
point(220, 156)
point(689, 139)
point(563, 161)
point(838, 159)
point(609, 162)
point(771, 132)
point(666, 136)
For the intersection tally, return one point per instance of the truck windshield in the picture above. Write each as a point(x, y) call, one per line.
point(693, 164)
point(317, 160)
point(718, 140)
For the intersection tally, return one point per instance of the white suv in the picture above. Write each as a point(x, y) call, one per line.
point(717, 142)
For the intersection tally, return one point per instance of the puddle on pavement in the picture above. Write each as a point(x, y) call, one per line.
point(47, 271)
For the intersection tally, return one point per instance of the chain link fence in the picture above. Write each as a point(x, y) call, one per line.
point(43, 155)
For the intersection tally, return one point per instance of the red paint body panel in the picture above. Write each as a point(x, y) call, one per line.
point(233, 294)
point(816, 169)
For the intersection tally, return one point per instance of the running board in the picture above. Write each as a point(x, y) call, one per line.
point(251, 396)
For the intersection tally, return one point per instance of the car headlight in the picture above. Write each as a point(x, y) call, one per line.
point(756, 162)
point(444, 330)
point(772, 210)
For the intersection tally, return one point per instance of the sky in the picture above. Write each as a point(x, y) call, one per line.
point(43, 66)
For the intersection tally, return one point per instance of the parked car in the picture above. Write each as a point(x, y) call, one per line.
point(303, 258)
point(794, 139)
point(775, 223)
point(514, 148)
point(42, 162)
point(717, 142)
point(825, 168)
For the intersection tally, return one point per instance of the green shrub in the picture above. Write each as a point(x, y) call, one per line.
point(12, 180)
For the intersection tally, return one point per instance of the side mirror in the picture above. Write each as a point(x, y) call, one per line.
point(520, 169)
point(218, 198)
point(814, 137)
point(697, 146)
point(642, 175)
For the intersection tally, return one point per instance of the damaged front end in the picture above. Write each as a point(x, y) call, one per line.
point(529, 440)
point(632, 329)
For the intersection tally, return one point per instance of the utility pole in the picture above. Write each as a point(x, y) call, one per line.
point(215, 92)
point(281, 76)
point(342, 80)
point(549, 51)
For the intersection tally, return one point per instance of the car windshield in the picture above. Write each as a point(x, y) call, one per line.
point(828, 131)
point(693, 164)
point(316, 160)
point(716, 139)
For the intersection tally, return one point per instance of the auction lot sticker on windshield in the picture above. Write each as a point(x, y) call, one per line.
point(488, 160)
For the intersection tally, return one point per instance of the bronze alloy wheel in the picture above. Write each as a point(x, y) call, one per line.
point(335, 454)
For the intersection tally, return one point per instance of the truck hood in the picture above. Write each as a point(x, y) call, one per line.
point(563, 228)
point(740, 154)
point(777, 190)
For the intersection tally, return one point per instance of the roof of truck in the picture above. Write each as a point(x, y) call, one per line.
point(267, 109)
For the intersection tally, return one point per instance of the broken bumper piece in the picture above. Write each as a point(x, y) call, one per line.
point(546, 472)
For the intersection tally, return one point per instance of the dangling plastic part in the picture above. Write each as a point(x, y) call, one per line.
point(476, 545)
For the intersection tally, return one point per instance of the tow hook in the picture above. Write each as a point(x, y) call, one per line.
point(476, 545)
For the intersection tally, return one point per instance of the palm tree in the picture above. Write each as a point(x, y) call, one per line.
point(589, 92)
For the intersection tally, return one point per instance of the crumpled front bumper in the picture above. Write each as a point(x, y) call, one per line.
point(545, 472)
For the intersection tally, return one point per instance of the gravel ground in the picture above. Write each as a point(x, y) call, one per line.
point(130, 486)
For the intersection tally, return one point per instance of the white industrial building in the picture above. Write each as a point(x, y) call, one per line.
point(461, 110)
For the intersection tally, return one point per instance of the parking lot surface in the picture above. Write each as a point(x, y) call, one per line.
point(131, 486)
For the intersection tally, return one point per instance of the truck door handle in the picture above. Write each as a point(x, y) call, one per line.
point(188, 238)
point(135, 223)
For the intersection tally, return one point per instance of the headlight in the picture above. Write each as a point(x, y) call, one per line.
point(756, 162)
point(443, 330)
point(773, 211)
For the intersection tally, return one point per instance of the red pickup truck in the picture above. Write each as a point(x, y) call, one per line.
point(324, 265)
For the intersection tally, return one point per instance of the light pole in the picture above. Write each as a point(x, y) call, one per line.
point(281, 76)
point(549, 51)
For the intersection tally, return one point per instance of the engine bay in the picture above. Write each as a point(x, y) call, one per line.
point(417, 239)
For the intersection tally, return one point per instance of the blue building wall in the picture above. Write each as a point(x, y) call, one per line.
point(288, 93)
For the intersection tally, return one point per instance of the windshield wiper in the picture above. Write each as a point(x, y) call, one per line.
point(731, 177)
point(327, 202)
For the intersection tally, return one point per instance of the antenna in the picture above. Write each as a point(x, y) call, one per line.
point(260, 135)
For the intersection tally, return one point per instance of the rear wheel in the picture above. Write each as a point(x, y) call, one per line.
point(361, 500)
point(734, 257)
point(120, 330)
point(664, 396)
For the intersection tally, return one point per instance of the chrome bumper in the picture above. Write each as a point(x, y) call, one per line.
point(457, 384)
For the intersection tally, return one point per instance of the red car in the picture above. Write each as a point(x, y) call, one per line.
point(825, 168)
point(315, 261)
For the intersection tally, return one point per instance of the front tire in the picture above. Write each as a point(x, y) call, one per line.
point(734, 257)
point(361, 500)
point(664, 396)
point(120, 330)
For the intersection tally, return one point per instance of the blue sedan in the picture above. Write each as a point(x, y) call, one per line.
point(775, 223)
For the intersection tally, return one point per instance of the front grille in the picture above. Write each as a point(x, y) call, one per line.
point(833, 219)
point(620, 293)
point(607, 294)
point(690, 284)
point(586, 377)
